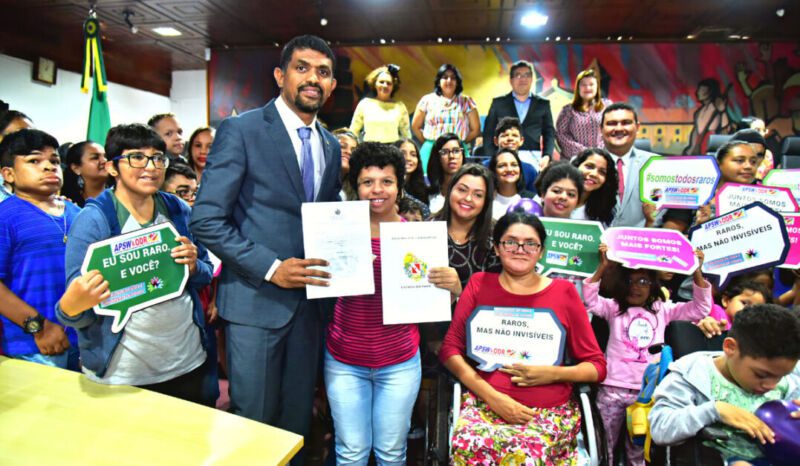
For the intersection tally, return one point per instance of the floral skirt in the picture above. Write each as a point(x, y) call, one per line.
point(482, 437)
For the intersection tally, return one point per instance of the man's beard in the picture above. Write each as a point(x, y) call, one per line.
point(308, 107)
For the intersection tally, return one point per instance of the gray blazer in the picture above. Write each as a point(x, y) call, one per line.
point(247, 212)
point(629, 212)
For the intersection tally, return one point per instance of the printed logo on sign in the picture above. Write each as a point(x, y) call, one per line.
point(789, 221)
point(415, 268)
point(726, 219)
point(682, 190)
point(138, 242)
point(556, 258)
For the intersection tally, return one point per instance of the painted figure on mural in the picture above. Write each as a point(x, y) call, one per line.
point(775, 97)
point(711, 117)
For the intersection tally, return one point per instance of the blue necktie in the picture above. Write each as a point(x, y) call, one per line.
point(307, 171)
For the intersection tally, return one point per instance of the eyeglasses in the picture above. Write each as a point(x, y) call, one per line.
point(529, 247)
point(522, 75)
point(186, 193)
point(140, 160)
point(448, 152)
point(644, 282)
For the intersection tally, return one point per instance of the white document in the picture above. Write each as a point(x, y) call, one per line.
point(339, 233)
point(408, 251)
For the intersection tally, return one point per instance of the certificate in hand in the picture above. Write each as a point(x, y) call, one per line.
point(408, 251)
point(339, 233)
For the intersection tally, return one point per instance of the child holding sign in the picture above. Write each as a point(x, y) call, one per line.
point(161, 347)
point(637, 317)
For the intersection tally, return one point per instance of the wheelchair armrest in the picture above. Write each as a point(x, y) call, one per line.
point(713, 433)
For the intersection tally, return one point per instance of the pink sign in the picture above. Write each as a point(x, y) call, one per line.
point(734, 195)
point(651, 248)
point(793, 228)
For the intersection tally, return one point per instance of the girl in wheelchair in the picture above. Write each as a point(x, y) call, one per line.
point(637, 317)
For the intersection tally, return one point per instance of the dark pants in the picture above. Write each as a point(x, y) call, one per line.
point(187, 387)
point(273, 372)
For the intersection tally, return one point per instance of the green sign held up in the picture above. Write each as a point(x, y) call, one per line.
point(139, 269)
point(571, 246)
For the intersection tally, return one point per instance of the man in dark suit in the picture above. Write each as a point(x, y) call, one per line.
point(263, 165)
point(620, 125)
point(532, 111)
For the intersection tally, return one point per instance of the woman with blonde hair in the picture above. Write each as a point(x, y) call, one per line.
point(378, 115)
point(578, 123)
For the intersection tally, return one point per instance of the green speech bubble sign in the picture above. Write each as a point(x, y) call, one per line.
point(571, 246)
point(139, 269)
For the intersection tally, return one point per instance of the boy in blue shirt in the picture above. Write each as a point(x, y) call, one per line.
point(33, 231)
point(757, 364)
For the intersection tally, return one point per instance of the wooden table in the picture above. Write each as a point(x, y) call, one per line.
point(51, 416)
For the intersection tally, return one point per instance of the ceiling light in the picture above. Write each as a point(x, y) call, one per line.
point(167, 31)
point(745, 37)
point(439, 40)
point(558, 38)
point(323, 21)
point(383, 41)
point(569, 38)
point(780, 12)
point(734, 36)
point(547, 38)
point(497, 39)
point(533, 19)
point(690, 36)
point(487, 39)
point(619, 37)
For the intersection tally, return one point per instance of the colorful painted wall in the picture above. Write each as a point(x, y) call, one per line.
point(683, 92)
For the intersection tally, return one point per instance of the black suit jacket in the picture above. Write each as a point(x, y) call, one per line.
point(538, 123)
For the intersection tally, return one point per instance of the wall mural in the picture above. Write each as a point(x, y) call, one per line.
point(683, 92)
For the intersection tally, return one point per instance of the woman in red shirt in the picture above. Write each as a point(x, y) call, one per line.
point(520, 412)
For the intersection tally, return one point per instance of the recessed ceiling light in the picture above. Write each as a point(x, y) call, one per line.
point(690, 36)
point(439, 40)
point(569, 37)
point(547, 38)
point(619, 37)
point(558, 38)
point(383, 41)
point(533, 19)
point(487, 39)
point(167, 31)
point(745, 37)
point(734, 36)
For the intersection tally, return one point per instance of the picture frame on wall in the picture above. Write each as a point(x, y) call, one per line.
point(45, 71)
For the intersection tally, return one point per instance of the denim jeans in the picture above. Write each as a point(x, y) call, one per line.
point(372, 409)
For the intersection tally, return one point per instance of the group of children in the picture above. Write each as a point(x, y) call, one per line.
point(163, 347)
point(756, 364)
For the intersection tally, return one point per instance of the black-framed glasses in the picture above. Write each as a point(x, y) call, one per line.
point(448, 152)
point(140, 159)
point(186, 193)
point(529, 247)
point(643, 282)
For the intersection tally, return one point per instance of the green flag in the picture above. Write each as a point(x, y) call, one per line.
point(99, 116)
